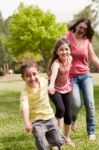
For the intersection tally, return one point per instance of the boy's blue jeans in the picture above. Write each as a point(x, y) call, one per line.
point(83, 84)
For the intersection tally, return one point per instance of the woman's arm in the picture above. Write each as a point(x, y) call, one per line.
point(93, 57)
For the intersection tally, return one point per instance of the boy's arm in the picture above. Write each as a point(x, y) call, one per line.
point(28, 125)
point(54, 72)
point(25, 112)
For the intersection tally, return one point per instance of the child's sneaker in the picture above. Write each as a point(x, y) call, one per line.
point(54, 148)
point(92, 137)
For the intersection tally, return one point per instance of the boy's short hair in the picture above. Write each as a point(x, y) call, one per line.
point(28, 64)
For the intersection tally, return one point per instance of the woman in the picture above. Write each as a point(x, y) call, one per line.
point(80, 36)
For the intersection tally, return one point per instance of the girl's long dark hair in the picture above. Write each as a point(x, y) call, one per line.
point(57, 45)
point(89, 31)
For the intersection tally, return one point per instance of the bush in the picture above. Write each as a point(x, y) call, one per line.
point(2, 72)
point(42, 66)
point(17, 71)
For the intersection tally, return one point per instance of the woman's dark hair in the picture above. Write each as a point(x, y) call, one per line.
point(28, 64)
point(89, 31)
point(57, 45)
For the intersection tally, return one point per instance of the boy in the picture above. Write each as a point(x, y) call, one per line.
point(37, 113)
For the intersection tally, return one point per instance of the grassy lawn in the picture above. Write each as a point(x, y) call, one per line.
point(12, 133)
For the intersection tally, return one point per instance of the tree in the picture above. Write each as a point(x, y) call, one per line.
point(96, 1)
point(5, 53)
point(95, 43)
point(34, 30)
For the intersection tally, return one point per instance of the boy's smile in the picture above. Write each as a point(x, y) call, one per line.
point(31, 77)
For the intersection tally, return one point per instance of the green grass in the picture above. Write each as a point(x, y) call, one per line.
point(12, 133)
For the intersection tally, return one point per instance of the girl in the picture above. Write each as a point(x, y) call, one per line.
point(60, 86)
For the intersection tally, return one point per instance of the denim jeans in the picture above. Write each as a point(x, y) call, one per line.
point(83, 84)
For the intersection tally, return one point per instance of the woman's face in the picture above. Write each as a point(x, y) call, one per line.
point(81, 29)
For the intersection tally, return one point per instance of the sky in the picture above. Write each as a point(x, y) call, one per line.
point(63, 9)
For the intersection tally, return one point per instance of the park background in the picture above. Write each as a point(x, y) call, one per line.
point(30, 33)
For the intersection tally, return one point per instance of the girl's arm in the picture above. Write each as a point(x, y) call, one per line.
point(93, 56)
point(54, 71)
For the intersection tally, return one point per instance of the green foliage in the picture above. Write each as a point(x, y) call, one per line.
point(1, 72)
point(96, 1)
point(5, 53)
point(95, 43)
point(34, 30)
point(28, 56)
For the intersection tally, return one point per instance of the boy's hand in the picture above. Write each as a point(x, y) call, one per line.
point(28, 127)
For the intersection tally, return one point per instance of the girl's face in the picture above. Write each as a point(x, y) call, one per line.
point(31, 77)
point(81, 29)
point(63, 52)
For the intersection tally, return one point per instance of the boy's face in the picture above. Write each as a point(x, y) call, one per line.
point(31, 77)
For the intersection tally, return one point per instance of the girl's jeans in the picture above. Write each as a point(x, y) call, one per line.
point(83, 84)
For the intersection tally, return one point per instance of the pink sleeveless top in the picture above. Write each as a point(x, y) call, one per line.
point(62, 83)
point(80, 56)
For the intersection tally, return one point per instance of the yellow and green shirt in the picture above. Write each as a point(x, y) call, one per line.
point(37, 102)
